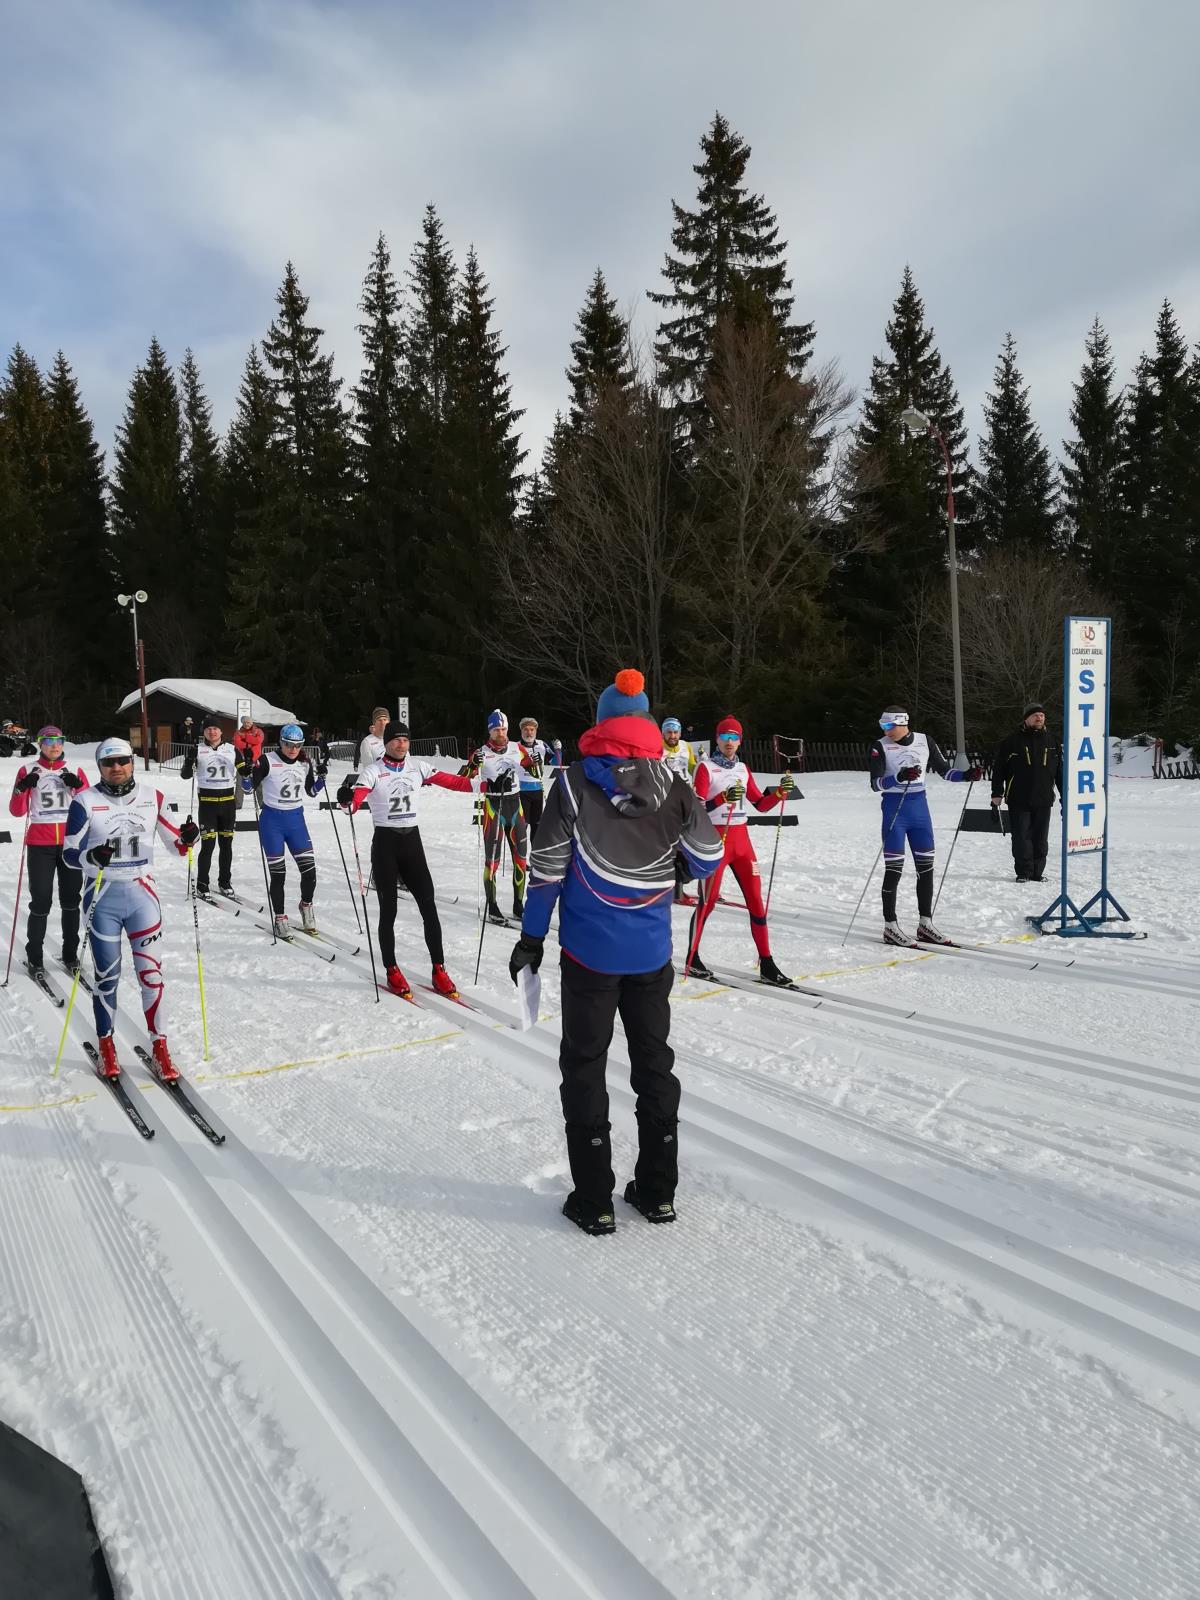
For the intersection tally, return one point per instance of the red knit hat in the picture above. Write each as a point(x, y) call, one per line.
point(729, 725)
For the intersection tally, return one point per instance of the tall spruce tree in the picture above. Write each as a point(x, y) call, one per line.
point(1158, 568)
point(260, 545)
point(898, 487)
point(205, 502)
point(380, 510)
point(308, 517)
point(24, 429)
point(599, 352)
point(77, 542)
point(149, 528)
point(485, 450)
point(728, 247)
point(1091, 471)
point(1017, 496)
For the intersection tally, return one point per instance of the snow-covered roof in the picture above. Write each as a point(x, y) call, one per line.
point(216, 694)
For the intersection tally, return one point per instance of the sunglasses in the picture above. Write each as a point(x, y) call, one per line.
point(55, 740)
point(117, 761)
point(728, 738)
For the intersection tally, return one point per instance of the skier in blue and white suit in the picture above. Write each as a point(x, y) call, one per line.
point(110, 837)
point(899, 762)
point(283, 777)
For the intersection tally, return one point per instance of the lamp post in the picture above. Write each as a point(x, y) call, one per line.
point(917, 422)
point(131, 602)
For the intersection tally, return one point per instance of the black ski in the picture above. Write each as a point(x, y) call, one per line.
point(176, 1091)
point(43, 982)
point(120, 1093)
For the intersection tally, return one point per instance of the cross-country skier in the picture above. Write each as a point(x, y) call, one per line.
point(283, 777)
point(540, 756)
point(110, 831)
point(389, 788)
point(724, 783)
point(371, 747)
point(899, 762)
point(499, 764)
point(42, 793)
point(677, 754)
point(612, 826)
point(217, 766)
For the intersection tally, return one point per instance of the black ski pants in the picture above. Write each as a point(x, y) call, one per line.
point(218, 814)
point(1029, 827)
point(590, 1003)
point(398, 857)
point(532, 802)
point(44, 862)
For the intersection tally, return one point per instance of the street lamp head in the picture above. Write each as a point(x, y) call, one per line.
point(141, 597)
point(122, 599)
point(915, 421)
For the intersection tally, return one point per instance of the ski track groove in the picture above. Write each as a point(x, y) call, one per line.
point(354, 1138)
point(1104, 972)
point(1035, 1257)
point(228, 1467)
point(626, 1574)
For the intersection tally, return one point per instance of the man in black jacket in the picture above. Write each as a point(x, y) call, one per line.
point(1027, 774)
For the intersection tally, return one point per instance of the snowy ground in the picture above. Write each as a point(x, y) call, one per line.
point(928, 1326)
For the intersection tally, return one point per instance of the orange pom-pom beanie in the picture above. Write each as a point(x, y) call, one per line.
point(624, 697)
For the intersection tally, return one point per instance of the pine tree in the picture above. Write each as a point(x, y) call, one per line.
point(599, 351)
point(898, 493)
point(77, 546)
point(486, 455)
point(205, 504)
point(727, 247)
point(307, 518)
point(149, 528)
point(1091, 473)
point(1017, 494)
point(430, 342)
point(380, 515)
point(260, 544)
point(24, 428)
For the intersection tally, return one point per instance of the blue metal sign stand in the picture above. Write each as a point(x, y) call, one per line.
point(1087, 920)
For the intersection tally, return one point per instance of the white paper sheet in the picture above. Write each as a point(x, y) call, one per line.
point(529, 995)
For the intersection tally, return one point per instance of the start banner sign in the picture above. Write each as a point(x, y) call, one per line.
point(1085, 734)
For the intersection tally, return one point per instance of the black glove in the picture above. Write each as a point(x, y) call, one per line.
point(501, 785)
point(29, 781)
point(189, 832)
point(908, 774)
point(346, 789)
point(322, 768)
point(972, 774)
point(72, 780)
point(527, 952)
point(100, 854)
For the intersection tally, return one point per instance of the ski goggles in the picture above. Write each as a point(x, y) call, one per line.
point(898, 719)
point(50, 738)
point(728, 738)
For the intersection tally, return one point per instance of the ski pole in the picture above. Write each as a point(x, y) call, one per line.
point(950, 852)
point(495, 876)
point(190, 815)
point(362, 891)
point(83, 944)
point(874, 864)
point(199, 961)
point(12, 938)
point(345, 868)
point(266, 875)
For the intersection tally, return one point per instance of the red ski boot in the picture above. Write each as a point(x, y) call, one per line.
point(164, 1067)
point(444, 983)
point(109, 1066)
point(398, 983)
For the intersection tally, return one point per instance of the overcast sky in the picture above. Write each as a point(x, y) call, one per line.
point(1036, 163)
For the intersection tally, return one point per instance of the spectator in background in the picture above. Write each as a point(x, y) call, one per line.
point(248, 742)
point(317, 736)
point(371, 748)
point(1026, 775)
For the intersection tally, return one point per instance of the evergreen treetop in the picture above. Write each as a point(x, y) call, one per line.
point(599, 351)
point(1091, 471)
point(1017, 494)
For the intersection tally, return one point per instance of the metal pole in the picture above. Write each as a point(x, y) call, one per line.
point(142, 691)
point(960, 759)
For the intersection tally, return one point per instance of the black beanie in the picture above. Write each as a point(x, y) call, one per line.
point(395, 730)
point(1034, 705)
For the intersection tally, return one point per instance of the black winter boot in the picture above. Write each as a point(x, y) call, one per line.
point(657, 1172)
point(591, 1219)
point(662, 1211)
point(589, 1151)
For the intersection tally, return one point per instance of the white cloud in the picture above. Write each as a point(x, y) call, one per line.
point(1033, 163)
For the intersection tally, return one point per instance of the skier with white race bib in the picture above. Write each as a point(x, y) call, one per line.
point(389, 789)
point(42, 794)
point(283, 777)
point(499, 764)
point(899, 762)
point(217, 766)
point(110, 838)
